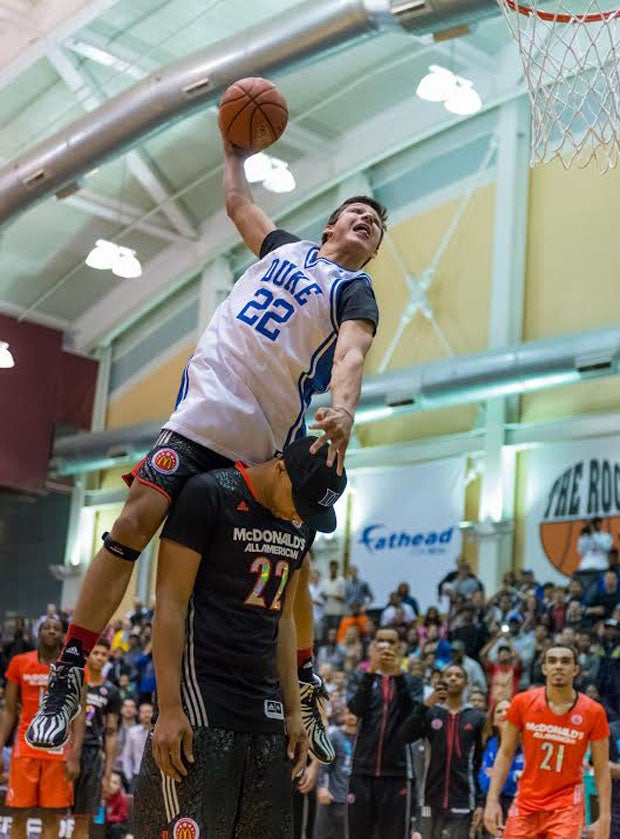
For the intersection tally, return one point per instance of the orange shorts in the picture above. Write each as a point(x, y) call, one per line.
point(38, 782)
point(566, 823)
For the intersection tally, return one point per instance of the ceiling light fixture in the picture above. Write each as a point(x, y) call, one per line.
point(273, 173)
point(280, 178)
point(102, 256)
point(464, 101)
point(108, 256)
point(127, 265)
point(257, 167)
point(6, 356)
point(457, 94)
point(438, 84)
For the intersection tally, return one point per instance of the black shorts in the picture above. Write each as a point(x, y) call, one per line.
point(238, 786)
point(172, 461)
point(87, 787)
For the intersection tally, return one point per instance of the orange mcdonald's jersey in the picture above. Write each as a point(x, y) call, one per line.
point(30, 675)
point(554, 747)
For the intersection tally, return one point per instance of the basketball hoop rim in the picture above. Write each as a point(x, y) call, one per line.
point(529, 11)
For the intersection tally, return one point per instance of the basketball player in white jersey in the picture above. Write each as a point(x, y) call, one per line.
point(299, 321)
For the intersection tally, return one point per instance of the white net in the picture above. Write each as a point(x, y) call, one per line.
point(571, 54)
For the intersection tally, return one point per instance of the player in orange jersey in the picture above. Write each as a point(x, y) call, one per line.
point(36, 779)
point(556, 725)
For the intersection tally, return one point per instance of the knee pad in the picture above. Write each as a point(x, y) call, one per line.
point(119, 550)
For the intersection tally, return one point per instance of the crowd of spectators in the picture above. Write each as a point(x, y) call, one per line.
point(497, 639)
point(130, 670)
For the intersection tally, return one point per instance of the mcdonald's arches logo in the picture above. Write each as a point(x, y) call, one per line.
point(165, 461)
point(186, 828)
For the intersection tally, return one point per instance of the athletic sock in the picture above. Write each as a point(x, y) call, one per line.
point(305, 668)
point(79, 643)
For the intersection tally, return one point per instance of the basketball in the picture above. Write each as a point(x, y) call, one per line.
point(253, 114)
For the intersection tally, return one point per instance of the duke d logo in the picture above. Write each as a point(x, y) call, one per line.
point(586, 490)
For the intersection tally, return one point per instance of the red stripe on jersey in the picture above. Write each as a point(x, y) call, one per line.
point(243, 469)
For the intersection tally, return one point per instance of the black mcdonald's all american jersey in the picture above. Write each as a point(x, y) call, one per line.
point(229, 676)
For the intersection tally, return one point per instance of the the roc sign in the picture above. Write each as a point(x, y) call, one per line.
point(587, 489)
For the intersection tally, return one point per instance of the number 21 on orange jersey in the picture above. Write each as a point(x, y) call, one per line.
point(554, 757)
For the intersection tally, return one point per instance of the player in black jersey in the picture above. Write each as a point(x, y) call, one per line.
point(103, 705)
point(225, 649)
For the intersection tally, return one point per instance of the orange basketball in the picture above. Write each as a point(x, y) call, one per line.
point(253, 114)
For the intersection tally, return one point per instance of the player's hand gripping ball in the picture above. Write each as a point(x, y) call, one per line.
point(253, 114)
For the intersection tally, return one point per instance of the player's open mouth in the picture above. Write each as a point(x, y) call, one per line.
point(364, 229)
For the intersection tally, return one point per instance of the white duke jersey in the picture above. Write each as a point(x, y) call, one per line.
point(268, 348)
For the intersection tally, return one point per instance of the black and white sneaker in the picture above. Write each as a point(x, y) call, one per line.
point(313, 694)
point(50, 726)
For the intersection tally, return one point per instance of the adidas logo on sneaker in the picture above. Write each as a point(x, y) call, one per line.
point(73, 651)
point(243, 507)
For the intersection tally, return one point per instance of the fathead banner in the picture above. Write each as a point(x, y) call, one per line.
point(568, 485)
point(405, 526)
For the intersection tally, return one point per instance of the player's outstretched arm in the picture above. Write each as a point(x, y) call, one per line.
point(493, 816)
point(600, 761)
point(177, 567)
point(287, 673)
point(252, 223)
point(336, 423)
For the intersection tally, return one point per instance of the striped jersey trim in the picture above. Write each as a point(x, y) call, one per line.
point(312, 258)
point(170, 796)
point(164, 438)
point(190, 689)
point(184, 385)
point(302, 386)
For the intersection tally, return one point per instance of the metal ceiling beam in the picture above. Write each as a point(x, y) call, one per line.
point(565, 429)
point(46, 25)
point(119, 212)
point(144, 172)
point(527, 367)
point(90, 98)
point(114, 56)
point(306, 140)
point(184, 87)
point(15, 311)
point(522, 436)
point(415, 451)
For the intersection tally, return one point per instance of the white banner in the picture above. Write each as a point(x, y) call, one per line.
point(567, 485)
point(405, 526)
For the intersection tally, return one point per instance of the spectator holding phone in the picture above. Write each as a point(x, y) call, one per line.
point(380, 789)
point(452, 795)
